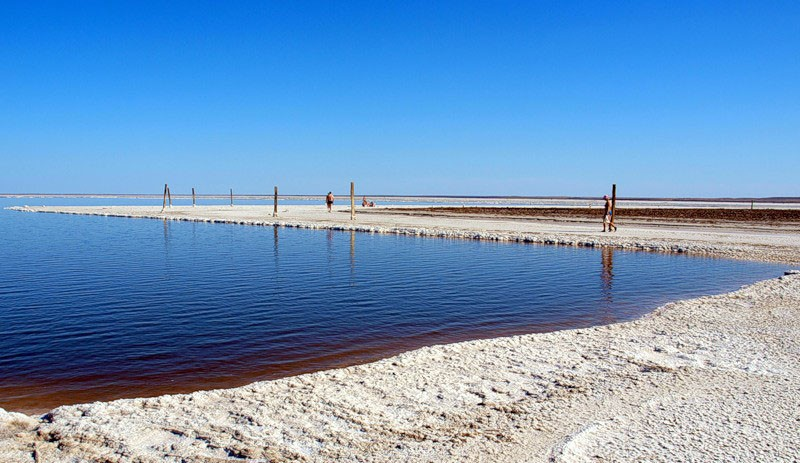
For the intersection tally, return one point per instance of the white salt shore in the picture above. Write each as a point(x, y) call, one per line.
point(708, 379)
point(766, 243)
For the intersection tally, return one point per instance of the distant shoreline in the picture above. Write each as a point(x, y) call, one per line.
point(774, 199)
point(766, 241)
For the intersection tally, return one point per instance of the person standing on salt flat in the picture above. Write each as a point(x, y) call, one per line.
point(329, 200)
point(608, 214)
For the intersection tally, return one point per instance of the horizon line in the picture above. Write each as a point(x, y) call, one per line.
point(518, 197)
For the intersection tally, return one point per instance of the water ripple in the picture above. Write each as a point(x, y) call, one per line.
point(97, 308)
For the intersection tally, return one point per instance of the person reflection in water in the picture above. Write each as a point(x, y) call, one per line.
point(608, 267)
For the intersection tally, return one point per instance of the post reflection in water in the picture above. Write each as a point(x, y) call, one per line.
point(352, 258)
point(167, 261)
point(276, 273)
point(331, 253)
point(607, 277)
point(276, 264)
point(275, 241)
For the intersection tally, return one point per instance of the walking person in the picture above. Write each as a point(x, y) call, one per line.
point(329, 200)
point(608, 216)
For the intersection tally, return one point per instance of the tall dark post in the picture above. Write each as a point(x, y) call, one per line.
point(613, 204)
point(169, 195)
point(164, 206)
point(275, 203)
point(231, 197)
point(194, 202)
point(352, 201)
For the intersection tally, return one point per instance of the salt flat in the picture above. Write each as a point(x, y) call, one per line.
point(709, 379)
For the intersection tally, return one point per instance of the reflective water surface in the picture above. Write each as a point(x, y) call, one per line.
point(96, 308)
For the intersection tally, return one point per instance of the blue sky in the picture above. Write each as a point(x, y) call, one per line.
point(474, 98)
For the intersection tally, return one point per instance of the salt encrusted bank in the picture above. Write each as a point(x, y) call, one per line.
point(708, 379)
point(730, 241)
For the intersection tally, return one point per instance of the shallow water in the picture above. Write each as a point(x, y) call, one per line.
point(96, 308)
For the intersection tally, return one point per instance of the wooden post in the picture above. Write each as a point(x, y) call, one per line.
point(194, 202)
point(613, 204)
point(231, 197)
point(164, 206)
point(275, 202)
point(169, 195)
point(352, 201)
point(751, 205)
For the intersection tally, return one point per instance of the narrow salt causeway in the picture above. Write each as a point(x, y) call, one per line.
point(174, 303)
point(761, 241)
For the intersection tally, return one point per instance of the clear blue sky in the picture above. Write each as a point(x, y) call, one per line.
point(480, 98)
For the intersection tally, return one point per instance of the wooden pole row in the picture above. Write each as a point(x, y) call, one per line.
point(168, 197)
